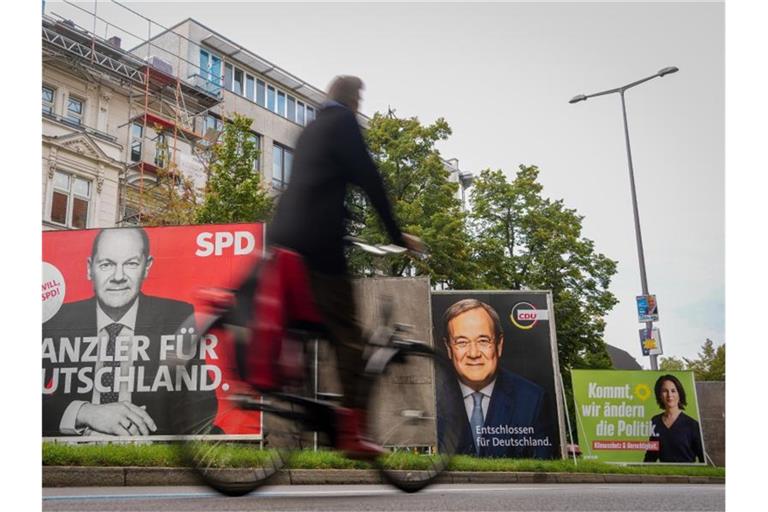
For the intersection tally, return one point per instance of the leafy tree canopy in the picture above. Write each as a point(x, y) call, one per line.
point(424, 201)
point(522, 240)
point(235, 191)
point(710, 365)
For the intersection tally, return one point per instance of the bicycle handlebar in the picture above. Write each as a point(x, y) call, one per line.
point(380, 249)
point(375, 249)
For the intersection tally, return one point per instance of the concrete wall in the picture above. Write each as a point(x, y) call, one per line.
point(407, 386)
point(711, 396)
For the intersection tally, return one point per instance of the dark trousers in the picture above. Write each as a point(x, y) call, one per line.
point(336, 303)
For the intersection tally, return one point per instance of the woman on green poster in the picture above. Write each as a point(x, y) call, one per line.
point(678, 435)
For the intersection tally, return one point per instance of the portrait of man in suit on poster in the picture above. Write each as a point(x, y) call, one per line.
point(104, 364)
point(505, 412)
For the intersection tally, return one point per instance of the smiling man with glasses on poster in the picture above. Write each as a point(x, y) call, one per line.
point(503, 410)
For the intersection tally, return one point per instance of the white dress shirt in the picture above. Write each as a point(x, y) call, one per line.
point(469, 402)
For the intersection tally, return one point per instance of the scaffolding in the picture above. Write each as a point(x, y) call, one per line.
point(158, 98)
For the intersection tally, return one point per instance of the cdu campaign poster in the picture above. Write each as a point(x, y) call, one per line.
point(113, 301)
point(503, 388)
point(636, 416)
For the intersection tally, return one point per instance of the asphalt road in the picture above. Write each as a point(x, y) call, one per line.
point(475, 498)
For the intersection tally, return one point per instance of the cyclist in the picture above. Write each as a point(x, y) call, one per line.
point(310, 219)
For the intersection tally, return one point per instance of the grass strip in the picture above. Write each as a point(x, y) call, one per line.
point(169, 455)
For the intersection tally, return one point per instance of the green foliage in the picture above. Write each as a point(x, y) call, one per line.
point(169, 455)
point(65, 454)
point(710, 365)
point(525, 241)
point(235, 192)
point(423, 199)
point(173, 200)
point(671, 364)
point(177, 201)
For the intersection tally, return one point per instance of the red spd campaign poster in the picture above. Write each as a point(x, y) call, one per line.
point(114, 302)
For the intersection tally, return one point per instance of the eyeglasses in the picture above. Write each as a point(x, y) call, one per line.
point(484, 344)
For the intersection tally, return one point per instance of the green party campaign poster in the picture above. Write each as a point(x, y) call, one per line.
point(638, 416)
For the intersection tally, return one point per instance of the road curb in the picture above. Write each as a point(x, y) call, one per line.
point(84, 476)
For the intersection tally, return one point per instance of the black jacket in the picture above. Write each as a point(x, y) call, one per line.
point(681, 442)
point(310, 218)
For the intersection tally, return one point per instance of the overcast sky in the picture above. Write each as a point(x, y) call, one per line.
point(501, 74)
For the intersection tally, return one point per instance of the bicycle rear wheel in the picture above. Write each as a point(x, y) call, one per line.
point(404, 418)
point(240, 443)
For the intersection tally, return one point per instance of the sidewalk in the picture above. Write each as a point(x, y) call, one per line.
point(85, 476)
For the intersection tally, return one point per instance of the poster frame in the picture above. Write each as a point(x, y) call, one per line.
point(560, 398)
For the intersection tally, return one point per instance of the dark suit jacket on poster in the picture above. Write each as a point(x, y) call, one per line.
point(515, 402)
point(155, 317)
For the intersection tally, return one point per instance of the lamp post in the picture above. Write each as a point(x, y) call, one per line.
point(641, 258)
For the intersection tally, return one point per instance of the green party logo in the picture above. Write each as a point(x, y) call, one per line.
point(642, 392)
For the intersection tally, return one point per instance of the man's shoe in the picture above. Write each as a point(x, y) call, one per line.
point(350, 435)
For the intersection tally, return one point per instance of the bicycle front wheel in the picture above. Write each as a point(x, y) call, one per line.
point(233, 443)
point(404, 418)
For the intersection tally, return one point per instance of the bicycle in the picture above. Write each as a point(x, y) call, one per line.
point(404, 420)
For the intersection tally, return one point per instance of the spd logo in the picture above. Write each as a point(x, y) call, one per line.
point(524, 315)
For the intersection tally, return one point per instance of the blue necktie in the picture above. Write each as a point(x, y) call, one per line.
point(476, 421)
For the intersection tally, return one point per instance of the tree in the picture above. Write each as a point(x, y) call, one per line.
point(173, 199)
point(710, 364)
point(671, 364)
point(234, 191)
point(525, 241)
point(424, 201)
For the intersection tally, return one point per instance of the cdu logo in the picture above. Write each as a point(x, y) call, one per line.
point(524, 315)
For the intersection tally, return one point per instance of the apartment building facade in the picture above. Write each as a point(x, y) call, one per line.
point(110, 122)
point(113, 118)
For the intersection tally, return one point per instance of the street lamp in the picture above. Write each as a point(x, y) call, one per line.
point(640, 257)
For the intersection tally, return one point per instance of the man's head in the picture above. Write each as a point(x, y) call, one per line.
point(346, 90)
point(118, 265)
point(474, 340)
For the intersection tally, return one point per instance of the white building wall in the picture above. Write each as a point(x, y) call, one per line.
point(81, 152)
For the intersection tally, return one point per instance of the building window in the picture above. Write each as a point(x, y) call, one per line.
point(282, 159)
point(48, 100)
point(256, 139)
point(228, 72)
point(211, 122)
point(261, 93)
point(271, 103)
point(281, 103)
point(249, 87)
point(291, 113)
point(131, 216)
point(137, 135)
point(300, 113)
point(210, 71)
point(205, 63)
point(71, 196)
point(161, 150)
point(75, 110)
point(310, 114)
point(238, 83)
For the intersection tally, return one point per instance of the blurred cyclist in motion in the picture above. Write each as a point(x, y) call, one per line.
point(310, 220)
